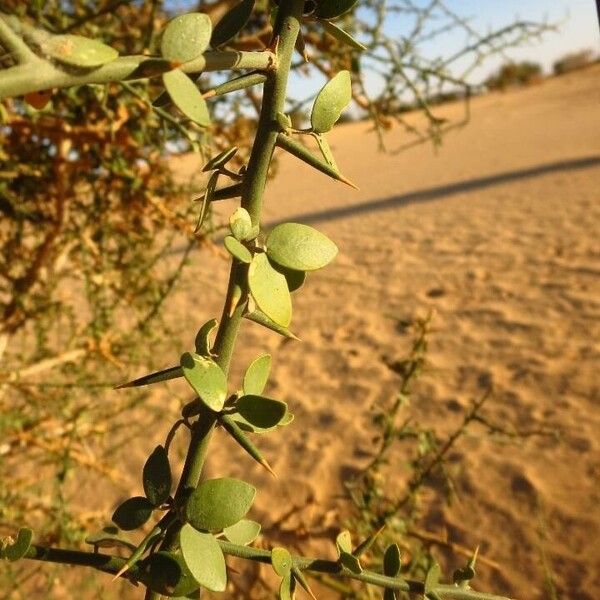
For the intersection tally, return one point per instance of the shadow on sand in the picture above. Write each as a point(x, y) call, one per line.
point(442, 191)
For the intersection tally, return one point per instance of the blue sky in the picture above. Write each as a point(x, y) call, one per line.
point(577, 23)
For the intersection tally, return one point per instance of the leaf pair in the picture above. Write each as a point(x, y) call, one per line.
point(215, 505)
point(283, 564)
point(157, 480)
point(289, 246)
point(201, 562)
point(185, 38)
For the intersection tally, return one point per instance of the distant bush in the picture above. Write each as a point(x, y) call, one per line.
point(515, 75)
point(573, 61)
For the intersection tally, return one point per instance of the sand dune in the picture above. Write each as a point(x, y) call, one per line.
point(498, 233)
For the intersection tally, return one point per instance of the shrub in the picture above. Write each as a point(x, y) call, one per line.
point(572, 62)
point(515, 75)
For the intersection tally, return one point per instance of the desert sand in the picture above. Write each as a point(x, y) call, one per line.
point(498, 233)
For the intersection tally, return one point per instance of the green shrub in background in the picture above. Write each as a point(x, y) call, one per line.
point(572, 62)
point(515, 75)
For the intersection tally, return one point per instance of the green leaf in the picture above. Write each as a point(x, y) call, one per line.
point(295, 279)
point(260, 411)
point(109, 537)
point(286, 587)
point(269, 290)
point(204, 558)
point(391, 561)
point(343, 542)
point(78, 51)
point(257, 375)
point(166, 573)
point(202, 341)
point(221, 159)
point(219, 503)
point(237, 249)
point(207, 198)
point(240, 224)
point(342, 36)
point(281, 560)
point(157, 477)
point(244, 532)
point(333, 98)
point(186, 97)
point(432, 578)
point(232, 23)
point(164, 375)
point(331, 9)
point(186, 37)
point(132, 513)
point(19, 548)
point(259, 317)
point(300, 247)
point(206, 378)
point(350, 562)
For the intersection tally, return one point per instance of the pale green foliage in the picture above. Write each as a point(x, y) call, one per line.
point(185, 549)
point(78, 51)
point(204, 558)
point(186, 37)
point(219, 503)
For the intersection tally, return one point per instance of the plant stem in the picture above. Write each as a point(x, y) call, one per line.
point(36, 74)
point(112, 564)
point(100, 562)
point(11, 42)
point(286, 30)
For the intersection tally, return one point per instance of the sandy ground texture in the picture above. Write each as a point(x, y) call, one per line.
point(498, 233)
